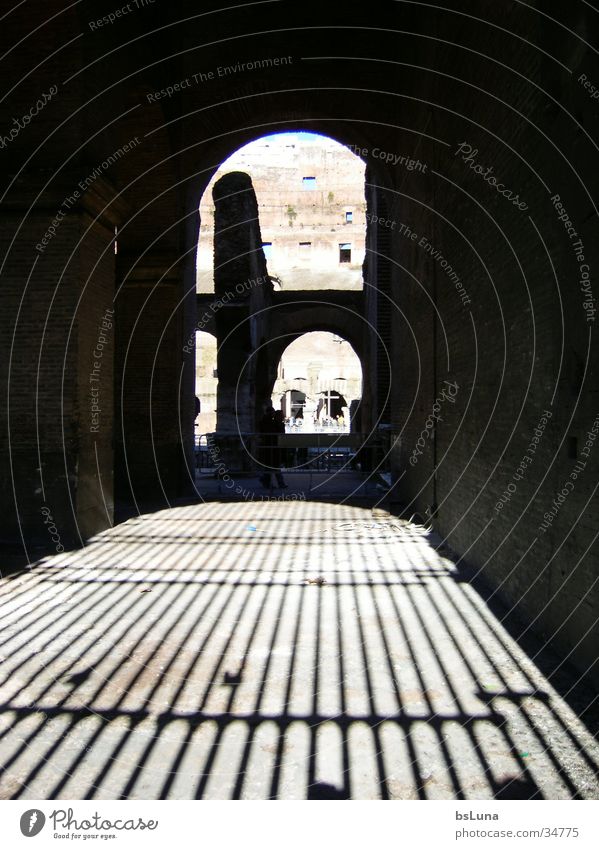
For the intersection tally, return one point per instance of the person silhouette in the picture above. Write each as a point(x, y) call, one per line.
point(271, 425)
point(279, 428)
point(268, 438)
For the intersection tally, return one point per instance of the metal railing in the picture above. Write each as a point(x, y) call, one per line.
point(248, 453)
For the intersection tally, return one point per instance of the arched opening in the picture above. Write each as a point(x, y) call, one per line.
point(292, 403)
point(319, 383)
point(284, 650)
point(332, 409)
point(206, 382)
point(310, 192)
point(282, 235)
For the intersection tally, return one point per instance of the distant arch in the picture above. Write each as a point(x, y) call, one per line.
point(310, 190)
point(319, 377)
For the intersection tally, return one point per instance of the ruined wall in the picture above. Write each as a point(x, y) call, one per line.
point(498, 452)
point(512, 342)
point(56, 286)
point(303, 224)
point(243, 291)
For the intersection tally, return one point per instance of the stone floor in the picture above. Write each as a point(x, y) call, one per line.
point(344, 485)
point(272, 650)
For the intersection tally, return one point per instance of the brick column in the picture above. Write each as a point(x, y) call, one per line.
point(153, 429)
point(242, 293)
point(56, 334)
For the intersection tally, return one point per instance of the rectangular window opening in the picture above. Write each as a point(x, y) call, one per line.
point(349, 217)
point(345, 252)
point(305, 251)
point(572, 448)
point(309, 183)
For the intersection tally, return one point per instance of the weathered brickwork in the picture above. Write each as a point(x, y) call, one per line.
point(478, 296)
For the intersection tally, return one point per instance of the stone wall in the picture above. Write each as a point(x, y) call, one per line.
point(303, 224)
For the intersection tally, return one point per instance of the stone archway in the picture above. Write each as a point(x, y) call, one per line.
point(319, 375)
point(291, 318)
point(254, 323)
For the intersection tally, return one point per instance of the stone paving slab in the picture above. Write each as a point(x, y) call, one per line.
point(257, 650)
